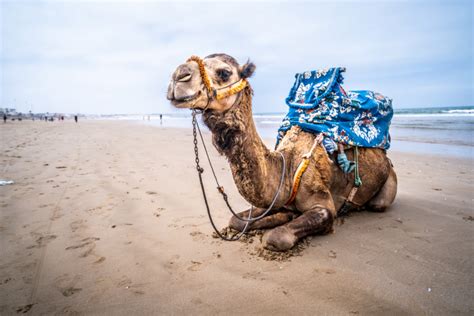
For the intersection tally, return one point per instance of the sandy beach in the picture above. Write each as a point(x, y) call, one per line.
point(107, 217)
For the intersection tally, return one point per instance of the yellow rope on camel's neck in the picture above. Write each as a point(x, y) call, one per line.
point(202, 70)
point(233, 90)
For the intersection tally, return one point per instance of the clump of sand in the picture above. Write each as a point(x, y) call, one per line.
point(256, 248)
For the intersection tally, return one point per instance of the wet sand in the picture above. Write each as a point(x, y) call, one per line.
point(107, 217)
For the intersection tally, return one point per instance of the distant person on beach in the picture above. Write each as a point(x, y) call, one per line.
point(161, 118)
point(75, 118)
point(4, 118)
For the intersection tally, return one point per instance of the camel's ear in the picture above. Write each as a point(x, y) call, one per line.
point(247, 70)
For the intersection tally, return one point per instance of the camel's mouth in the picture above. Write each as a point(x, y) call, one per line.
point(186, 101)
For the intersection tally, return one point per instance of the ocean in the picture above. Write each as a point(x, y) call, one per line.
point(445, 131)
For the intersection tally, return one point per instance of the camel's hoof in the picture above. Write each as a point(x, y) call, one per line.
point(279, 239)
point(236, 224)
point(376, 209)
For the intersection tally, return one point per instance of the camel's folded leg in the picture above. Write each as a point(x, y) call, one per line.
point(384, 198)
point(316, 221)
point(275, 218)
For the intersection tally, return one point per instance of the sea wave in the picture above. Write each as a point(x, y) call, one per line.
point(468, 111)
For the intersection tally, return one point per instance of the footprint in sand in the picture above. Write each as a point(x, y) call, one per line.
point(66, 285)
point(468, 218)
point(68, 310)
point(100, 260)
point(77, 225)
point(88, 243)
point(126, 283)
point(325, 270)
point(25, 308)
point(5, 281)
point(195, 266)
point(99, 210)
point(254, 275)
point(42, 241)
point(173, 262)
point(70, 291)
point(197, 301)
point(56, 216)
point(197, 235)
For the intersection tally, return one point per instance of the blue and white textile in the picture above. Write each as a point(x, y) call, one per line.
point(319, 104)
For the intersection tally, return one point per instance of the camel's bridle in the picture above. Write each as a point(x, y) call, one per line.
point(217, 93)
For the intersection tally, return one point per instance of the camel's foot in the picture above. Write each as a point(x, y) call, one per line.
point(282, 238)
point(279, 239)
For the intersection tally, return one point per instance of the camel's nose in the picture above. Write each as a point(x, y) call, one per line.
point(183, 77)
point(183, 81)
point(183, 74)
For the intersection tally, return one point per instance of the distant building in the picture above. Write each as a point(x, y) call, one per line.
point(8, 111)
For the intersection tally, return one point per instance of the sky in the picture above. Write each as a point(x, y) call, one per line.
point(104, 57)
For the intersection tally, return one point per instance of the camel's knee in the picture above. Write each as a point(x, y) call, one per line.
point(266, 222)
point(237, 224)
point(385, 197)
point(274, 220)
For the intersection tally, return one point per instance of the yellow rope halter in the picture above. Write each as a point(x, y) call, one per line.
point(212, 92)
point(205, 78)
point(232, 89)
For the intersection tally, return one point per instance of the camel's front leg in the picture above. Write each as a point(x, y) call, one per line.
point(316, 221)
point(273, 219)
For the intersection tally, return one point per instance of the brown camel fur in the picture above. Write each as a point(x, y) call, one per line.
point(256, 170)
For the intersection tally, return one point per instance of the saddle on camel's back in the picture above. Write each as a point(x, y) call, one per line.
point(319, 104)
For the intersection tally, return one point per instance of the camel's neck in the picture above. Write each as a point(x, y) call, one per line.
point(255, 169)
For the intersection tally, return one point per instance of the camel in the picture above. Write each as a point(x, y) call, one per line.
point(217, 85)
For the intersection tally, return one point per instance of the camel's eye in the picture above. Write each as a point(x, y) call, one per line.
point(223, 74)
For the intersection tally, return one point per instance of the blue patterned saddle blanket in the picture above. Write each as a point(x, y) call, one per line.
point(319, 104)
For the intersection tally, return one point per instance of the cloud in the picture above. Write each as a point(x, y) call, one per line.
point(116, 57)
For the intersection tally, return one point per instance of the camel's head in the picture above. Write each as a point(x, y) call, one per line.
point(211, 83)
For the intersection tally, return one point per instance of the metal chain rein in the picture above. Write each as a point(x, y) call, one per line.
point(200, 170)
point(221, 189)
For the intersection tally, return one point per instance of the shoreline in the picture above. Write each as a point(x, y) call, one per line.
point(107, 217)
point(448, 149)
